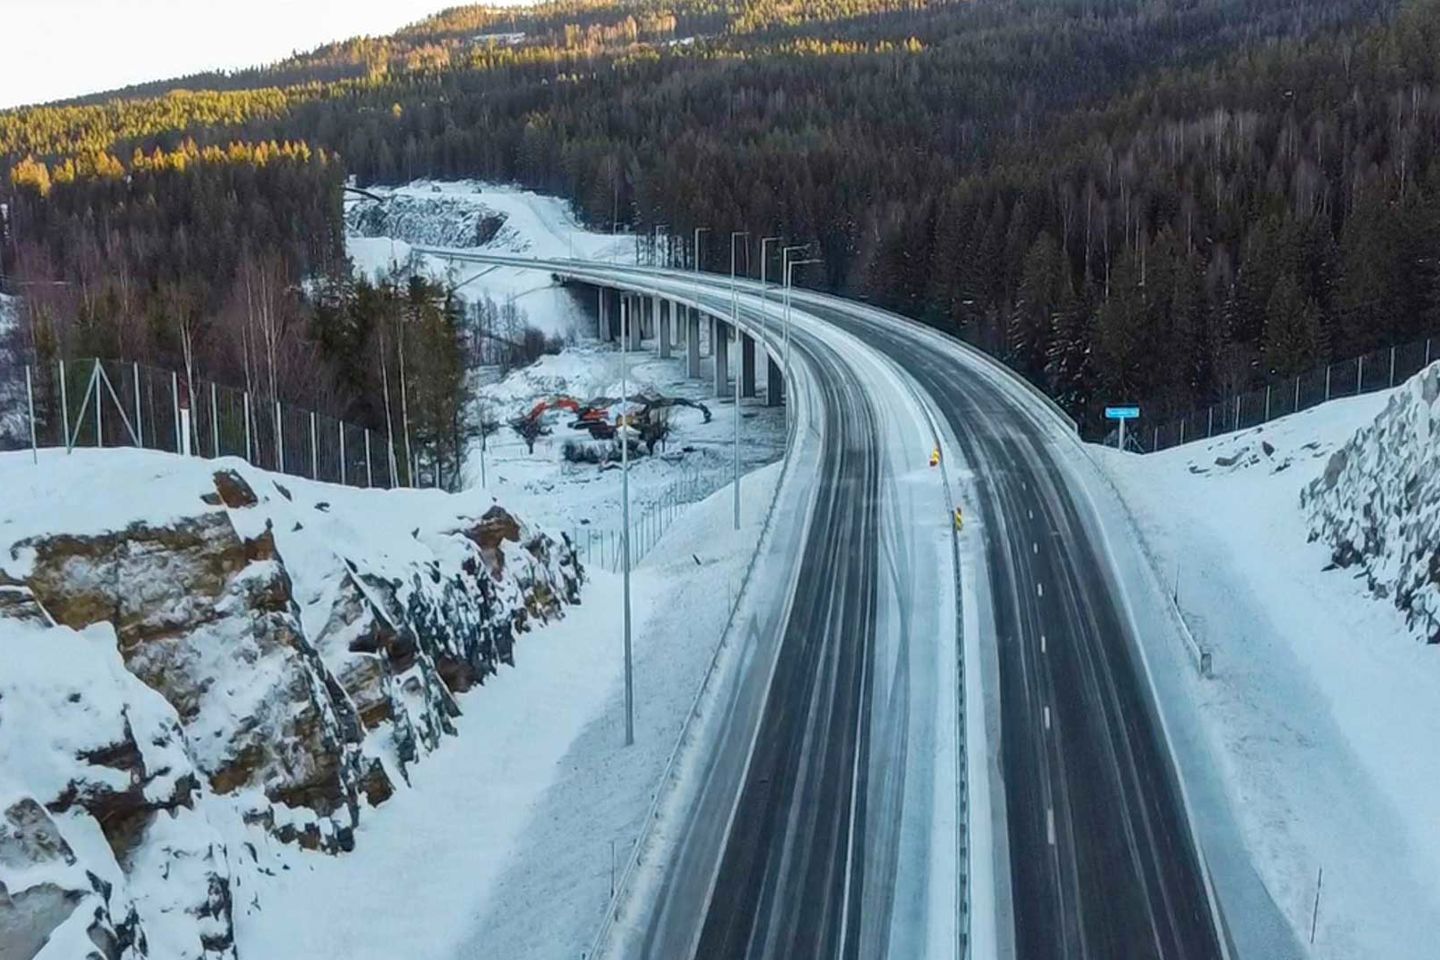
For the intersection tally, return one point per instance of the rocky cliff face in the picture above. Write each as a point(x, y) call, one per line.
point(1377, 505)
point(440, 220)
point(253, 660)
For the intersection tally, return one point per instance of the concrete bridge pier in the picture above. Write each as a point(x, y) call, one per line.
point(603, 329)
point(719, 346)
point(774, 382)
point(747, 365)
point(692, 345)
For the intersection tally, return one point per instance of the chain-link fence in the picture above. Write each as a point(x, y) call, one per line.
point(605, 548)
point(107, 403)
point(1378, 370)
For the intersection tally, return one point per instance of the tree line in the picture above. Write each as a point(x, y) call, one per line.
point(1165, 202)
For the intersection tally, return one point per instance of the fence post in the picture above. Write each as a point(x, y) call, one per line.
point(1327, 382)
point(64, 406)
point(314, 453)
point(1182, 431)
point(99, 422)
point(1155, 441)
point(340, 426)
point(214, 421)
point(175, 404)
point(279, 441)
point(139, 418)
point(1210, 421)
point(369, 476)
point(1267, 403)
point(30, 397)
point(248, 457)
point(1427, 351)
point(1237, 411)
point(1359, 374)
point(1297, 396)
point(1392, 366)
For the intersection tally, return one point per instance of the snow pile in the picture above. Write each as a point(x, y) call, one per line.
point(203, 662)
point(1377, 505)
point(1319, 720)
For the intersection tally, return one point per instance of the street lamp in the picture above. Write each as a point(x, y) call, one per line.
point(735, 325)
point(625, 313)
point(764, 328)
point(696, 268)
point(785, 276)
point(789, 269)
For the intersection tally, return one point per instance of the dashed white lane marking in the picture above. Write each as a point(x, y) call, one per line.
point(1047, 718)
point(1034, 547)
point(1050, 824)
point(1039, 589)
point(1042, 643)
point(1030, 513)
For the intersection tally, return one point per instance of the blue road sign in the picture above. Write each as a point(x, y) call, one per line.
point(1122, 413)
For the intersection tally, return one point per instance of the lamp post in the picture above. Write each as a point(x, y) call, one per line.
point(739, 374)
point(625, 318)
point(785, 262)
point(764, 259)
point(695, 265)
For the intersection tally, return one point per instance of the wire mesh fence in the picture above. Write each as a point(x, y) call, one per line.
point(107, 403)
point(605, 548)
point(1378, 370)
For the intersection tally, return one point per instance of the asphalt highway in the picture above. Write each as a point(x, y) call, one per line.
point(1101, 857)
point(778, 859)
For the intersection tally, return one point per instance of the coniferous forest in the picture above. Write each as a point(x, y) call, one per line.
point(1168, 201)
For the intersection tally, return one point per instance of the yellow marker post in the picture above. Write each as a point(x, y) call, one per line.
point(935, 457)
point(959, 519)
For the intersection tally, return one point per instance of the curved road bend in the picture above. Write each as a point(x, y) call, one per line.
point(1102, 862)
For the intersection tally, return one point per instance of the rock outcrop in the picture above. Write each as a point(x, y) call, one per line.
point(245, 660)
point(1377, 504)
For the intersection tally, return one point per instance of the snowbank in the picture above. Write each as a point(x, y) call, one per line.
point(1322, 710)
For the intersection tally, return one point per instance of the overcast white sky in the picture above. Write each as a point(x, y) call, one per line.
point(51, 49)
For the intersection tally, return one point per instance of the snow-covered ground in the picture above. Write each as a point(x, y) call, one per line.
point(503, 846)
point(584, 498)
point(470, 215)
point(1323, 709)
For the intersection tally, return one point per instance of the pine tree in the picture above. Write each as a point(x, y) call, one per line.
point(1294, 338)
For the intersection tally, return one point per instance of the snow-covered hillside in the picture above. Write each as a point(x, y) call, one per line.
point(471, 215)
point(1323, 708)
point(212, 674)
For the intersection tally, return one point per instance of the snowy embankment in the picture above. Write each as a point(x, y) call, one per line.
point(469, 215)
point(215, 676)
point(1323, 710)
